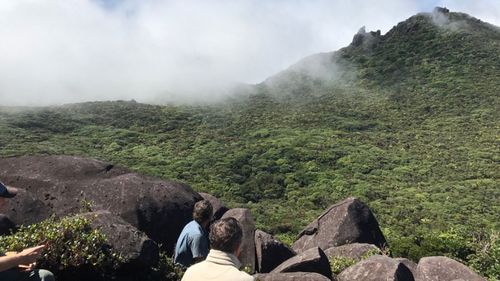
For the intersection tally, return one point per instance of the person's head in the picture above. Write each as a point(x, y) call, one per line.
point(225, 235)
point(203, 212)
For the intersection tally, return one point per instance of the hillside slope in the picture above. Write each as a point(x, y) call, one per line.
point(407, 121)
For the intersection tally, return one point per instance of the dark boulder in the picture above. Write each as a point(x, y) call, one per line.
point(444, 269)
point(218, 206)
point(312, 260)
point(6, 225)
point(25, 208)
point(247, 248)
point(137, 251)
point(69, 185)
point(354, 251)
point(346, 222)
point(376, 268)
point(270, 252)
point(291, 276)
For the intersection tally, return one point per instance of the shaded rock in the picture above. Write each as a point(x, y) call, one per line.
point(346, 222)
point(136, 249)
point(63, 183)
point(354, 251)
point(247, 248)
point(6, 225)
point(412, 266)
point(217, 205)
point(312, 260)
point(444, 269)
point(376, 268)
point(25, 208)
point(270, 252)
point(291, 276)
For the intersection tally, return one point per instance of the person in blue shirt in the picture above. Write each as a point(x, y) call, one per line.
point(192, 245)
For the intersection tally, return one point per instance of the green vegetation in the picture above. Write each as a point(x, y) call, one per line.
point(415, 136)
point(71, 243)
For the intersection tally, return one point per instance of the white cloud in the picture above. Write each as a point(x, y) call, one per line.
point(59, 51)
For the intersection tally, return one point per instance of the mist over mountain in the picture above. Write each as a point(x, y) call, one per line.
point(406, 120)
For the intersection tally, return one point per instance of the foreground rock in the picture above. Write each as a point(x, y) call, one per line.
point(292, 276)
point(355, 251)
point(6, 225)
point(63, 184)
point(136, 249)
point(376, 268)
point(270, 252)
point(444, 269)
point(247, 248)
point(346, 222)
point(312, 260)
point(218, 206)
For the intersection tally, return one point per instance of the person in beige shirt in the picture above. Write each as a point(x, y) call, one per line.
point(221, 263)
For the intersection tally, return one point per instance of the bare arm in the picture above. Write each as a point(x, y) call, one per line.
point(26, 256)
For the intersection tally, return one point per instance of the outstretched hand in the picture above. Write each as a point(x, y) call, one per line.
point(30, 255)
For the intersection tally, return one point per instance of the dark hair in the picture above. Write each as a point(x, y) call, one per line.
point(202, 211)
point(225, 235)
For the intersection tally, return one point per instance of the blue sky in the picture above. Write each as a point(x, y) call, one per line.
point(63, 51)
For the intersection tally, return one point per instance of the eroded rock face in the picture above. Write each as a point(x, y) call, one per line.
point(217, 205)
point(377, 268)
point(292, 276)
point(270, 252)
point(6, 225)
point(136, 249)
point(354, 251)
point(347, 222)
point(62, 185)
point(444, 269)
point(312, 260)
point(247, 248)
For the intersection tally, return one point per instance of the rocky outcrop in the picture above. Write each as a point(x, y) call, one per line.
point(354, 251)
point(136, 250)
point(247, 248)
point(62, 185)
point(377, 268)
point(217, 205)
point(444, 269)
point(312, 260)
point(292, 276)
point(346, 222)
point(270, 252)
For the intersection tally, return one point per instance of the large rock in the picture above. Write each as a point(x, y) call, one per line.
point(136, 249)
point(346, 222)
point(354, 251)
point(25, 208)
point(292, 276)
point(64, 183)
point(444, 269)
point(377, 268)
point(312, 260)
point(247, 248)
point(218, 206)
point(270, 252)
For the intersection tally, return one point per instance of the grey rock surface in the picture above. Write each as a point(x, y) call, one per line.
point(247, 248)
point(312, 260)
point(270, 252)
point(292, 276)
point(349, 221)
point(444, 269)
point(377, 268)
